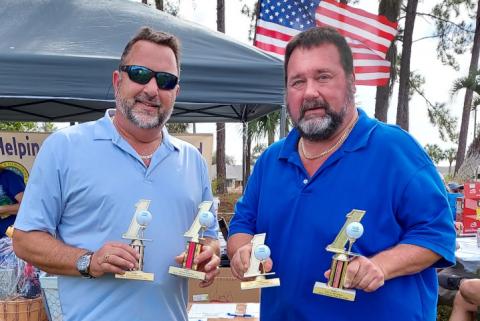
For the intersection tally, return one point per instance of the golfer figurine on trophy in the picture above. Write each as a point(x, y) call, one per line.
point(260, 253)
point(135, 233)
point(350, 232)
point(203, 221)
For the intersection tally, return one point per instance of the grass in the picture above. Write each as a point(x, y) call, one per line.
point(443, 312)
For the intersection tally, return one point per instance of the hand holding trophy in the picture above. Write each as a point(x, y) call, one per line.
point(203, 221)
point(260, 253)
point(135, 233)
point(350, 232)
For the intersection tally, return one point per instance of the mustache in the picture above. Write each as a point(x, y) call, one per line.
point(142, 98)
point(314, 104)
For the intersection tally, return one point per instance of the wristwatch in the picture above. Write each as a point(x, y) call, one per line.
point(83, 264)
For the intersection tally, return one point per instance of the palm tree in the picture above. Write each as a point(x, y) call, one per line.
point(471, 82)
point(462, 140)
point(469, 167)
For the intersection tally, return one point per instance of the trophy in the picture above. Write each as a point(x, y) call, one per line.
point(260, 253)
point(203, 221)
point(141, 218)
point(350, 232)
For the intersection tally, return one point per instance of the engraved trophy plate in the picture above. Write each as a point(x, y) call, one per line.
point(260, 253)
point(350, 232)
point(141, 218)
point(204, 220)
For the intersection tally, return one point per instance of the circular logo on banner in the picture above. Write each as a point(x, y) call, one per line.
point(17, 168)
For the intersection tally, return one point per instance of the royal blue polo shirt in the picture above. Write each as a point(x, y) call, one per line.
point(380, 169)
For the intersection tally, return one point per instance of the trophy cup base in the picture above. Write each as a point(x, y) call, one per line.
point(187, 273)
point(260, 283)
point(324, 289)
point(136, 275)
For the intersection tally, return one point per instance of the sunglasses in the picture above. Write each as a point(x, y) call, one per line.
point(142, 75)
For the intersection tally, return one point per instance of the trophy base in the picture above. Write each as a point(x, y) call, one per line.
point(187, 273)
point(324, 289)
point(260, 283)
point(136, 275)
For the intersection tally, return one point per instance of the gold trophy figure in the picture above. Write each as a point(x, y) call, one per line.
point(260, 253)
point(350, 232)
point(203, 221)
point(135, 233)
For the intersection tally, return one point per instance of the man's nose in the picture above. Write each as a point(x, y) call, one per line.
point(151, 87)
point(311, 89)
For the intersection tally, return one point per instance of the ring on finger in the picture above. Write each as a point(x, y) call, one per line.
point(105, 258)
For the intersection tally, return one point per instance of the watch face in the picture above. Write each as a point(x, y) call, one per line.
point(83, 262)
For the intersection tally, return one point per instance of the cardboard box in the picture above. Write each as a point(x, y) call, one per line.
point(226, 288)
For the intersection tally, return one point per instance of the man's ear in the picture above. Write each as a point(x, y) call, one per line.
point(116, 81)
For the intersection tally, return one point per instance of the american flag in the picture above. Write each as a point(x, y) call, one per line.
point(368, 35)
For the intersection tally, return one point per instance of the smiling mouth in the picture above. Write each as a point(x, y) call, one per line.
point(148, 104)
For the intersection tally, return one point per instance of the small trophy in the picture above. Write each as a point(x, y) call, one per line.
point(140, 220)
point(350, 232)
point(260, 253)
point(204, 220)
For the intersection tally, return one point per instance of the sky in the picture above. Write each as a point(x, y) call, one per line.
point(439, 78)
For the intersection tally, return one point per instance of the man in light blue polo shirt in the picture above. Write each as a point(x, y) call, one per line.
point(335, 160)
point(85, 184)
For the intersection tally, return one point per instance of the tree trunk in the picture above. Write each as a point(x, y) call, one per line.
point(221, 166)
point(247, 155)
point(403, 97)
point(467, 103)
point(391, 10)
point(159, 4)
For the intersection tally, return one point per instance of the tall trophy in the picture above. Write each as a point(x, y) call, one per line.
point(260, 253)
point(141, 218)
point(350, 232)
point(203, 221)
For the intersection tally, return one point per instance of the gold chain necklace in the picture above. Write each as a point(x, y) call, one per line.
point(146, 157)
point(334, 146)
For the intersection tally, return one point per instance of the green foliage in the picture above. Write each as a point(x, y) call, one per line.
point(257, 151)
point(177, 128)
point(440, 116)
point(16, 126)
point(455, 35)
point(435, 153)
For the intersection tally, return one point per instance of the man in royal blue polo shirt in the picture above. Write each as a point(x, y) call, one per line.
point(337, 159)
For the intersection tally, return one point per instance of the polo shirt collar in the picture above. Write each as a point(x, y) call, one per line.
point(105, 130)
point(357, 139)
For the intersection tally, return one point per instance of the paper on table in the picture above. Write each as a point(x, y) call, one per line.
point(212, 310)
point(253, 309)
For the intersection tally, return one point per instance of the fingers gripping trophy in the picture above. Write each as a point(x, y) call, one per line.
point(203, 221)
point(350, 232)
point(141, 219)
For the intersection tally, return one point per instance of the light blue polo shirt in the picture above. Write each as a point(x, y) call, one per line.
point(83, 188)
point(379, 169)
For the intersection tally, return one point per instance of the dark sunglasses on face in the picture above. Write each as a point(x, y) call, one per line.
point(142, 75)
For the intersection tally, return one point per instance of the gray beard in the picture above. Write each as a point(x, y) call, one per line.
point(141, 120)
